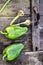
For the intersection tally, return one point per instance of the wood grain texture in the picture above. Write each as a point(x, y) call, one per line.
point(24, 59)
point(5, 18)
point(14, 6)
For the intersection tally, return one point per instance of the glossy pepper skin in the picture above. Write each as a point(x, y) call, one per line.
point(12, 52)
point(15, 31)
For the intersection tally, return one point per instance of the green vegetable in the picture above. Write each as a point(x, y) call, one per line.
point(15, 31)
point(12, 52)
point(4, 5)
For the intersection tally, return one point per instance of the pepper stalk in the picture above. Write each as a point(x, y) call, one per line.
point(2, 32)
point(3, 7)
point(4, 57)
point(20, 13)
point(27, 22)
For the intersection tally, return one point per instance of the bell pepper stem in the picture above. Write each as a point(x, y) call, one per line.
point(14, 19)
point(27, 22)
point(3, 57)
point(20, 23)
point(4, 5)
point(20, 13)
point(2, 32)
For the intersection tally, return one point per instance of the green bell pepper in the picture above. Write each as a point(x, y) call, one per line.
point(15, 31)
point(12, 52)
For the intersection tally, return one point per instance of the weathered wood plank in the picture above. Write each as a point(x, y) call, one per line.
point(15, 5)
point(5, 18)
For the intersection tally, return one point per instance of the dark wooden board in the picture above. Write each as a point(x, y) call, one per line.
point(5, 18)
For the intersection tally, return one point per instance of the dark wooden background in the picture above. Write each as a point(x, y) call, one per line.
point(5, 18)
